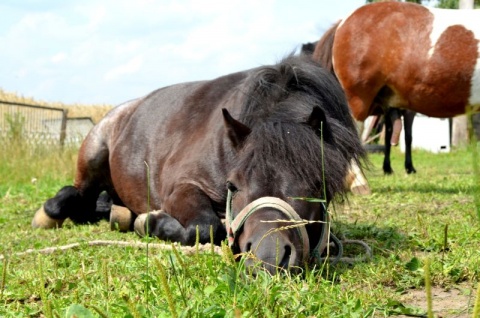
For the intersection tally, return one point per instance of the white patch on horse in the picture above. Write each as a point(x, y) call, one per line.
point(444, 18)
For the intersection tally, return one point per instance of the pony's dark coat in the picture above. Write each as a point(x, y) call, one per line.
point(176, 148)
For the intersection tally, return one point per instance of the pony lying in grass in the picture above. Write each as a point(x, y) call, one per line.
point(244, 147)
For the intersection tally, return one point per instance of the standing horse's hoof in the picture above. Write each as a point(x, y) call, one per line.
point(387, 170)
point(121, 219)
point(139, 225)
point(42, 221)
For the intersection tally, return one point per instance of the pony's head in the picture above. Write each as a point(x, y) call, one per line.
point(294, 140)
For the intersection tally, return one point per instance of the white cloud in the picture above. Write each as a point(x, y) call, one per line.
point(59, 57)
point(120, 49)
point(130, 67)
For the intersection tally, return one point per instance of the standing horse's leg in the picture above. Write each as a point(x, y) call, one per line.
point(79, 202)
point(388, 122)
point(186, 211)
point(408, 117)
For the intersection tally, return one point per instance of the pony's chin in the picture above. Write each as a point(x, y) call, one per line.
point(254, 267)
point(273, 264)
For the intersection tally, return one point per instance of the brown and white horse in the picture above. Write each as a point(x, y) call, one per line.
point(404, 55)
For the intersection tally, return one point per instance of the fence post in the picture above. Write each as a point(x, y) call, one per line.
point(460, 123)
point(63, 127)
point(465, 4)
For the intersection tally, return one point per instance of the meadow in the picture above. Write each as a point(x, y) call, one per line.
point(424, 230)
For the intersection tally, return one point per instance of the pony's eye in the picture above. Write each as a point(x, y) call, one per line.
point(231, 187)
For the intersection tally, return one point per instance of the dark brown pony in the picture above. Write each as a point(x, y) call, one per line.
point(404, 55)
point(181, 149)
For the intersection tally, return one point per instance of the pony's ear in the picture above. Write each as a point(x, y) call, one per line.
point(318, 121)
point(236, 131)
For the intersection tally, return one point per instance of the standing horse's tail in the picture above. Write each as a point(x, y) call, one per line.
point(323, 50)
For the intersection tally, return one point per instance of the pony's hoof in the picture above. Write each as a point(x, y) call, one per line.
point(121, 219)
point(139, 225)
point(361, 190)
point(42, 221)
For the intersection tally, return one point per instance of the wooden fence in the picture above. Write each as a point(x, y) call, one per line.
point(41, 125)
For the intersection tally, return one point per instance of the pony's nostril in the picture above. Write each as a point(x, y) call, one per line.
point(248, 247)
point(286, 257)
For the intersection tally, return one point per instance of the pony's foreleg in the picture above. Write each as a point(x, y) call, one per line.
point(167, 228)
point(188, 214)
point(408, 118)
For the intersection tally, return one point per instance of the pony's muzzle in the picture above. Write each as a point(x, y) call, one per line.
point(270, 232)
point(272, 254)
point(270, 247)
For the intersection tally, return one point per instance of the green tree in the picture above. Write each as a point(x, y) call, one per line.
point(453, 4)
point(416, 1)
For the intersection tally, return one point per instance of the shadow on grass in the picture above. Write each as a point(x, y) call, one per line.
point(382, 239)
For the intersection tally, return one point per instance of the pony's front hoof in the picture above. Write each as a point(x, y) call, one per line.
point(42, 221)
point(121, 219)
point(140, 227)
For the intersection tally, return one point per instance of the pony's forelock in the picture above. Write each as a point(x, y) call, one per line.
point(277, 106)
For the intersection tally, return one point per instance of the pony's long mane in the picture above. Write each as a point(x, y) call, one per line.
point(277, 107)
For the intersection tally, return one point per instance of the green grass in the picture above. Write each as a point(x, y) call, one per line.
point(405, 221)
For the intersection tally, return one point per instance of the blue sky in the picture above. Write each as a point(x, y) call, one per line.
point(110, 51)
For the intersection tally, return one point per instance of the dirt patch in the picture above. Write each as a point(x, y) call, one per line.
point(456, 301)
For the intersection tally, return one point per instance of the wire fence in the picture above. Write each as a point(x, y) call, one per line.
point(41, 125)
